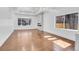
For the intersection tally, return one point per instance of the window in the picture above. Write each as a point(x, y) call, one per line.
point(69, 21)
point(24, 21)
point(60, 22)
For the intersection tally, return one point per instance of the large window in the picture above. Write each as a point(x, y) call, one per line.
point(24, 21)
point(69, 21)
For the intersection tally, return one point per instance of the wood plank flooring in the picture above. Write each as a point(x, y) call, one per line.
point(35, 40)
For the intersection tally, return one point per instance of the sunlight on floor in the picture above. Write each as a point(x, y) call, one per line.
point(54, 38)
point(62, 43)
point(47, 36)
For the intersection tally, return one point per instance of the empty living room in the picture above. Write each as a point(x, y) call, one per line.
point(39, 28)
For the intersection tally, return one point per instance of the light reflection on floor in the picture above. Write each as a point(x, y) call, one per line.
point(47, 36)
point(54, 38)
point(62, 43)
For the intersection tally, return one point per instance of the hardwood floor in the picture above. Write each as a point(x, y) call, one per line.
point(35, 40)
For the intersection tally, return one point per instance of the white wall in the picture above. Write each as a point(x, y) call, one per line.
point(49, 26)
point(40, 20)
point(6, 24)
point(5, 17)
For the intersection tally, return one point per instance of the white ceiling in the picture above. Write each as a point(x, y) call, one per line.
point(37, 10)
point(26, 10)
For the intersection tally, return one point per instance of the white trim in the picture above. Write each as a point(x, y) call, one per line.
point(5, 37)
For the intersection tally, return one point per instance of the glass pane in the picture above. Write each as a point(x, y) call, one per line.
point(71, 21)
point(60, 22)
point(19, 21)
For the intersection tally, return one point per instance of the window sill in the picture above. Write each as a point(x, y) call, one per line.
point(67, 29)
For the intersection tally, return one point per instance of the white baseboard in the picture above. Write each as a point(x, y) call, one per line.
point(5, 36)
